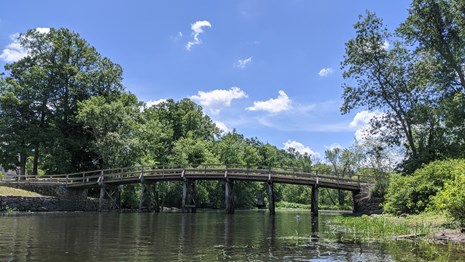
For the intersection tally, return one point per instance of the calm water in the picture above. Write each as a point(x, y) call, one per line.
point(205, 236)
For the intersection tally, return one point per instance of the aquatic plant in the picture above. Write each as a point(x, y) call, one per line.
point(377, 228)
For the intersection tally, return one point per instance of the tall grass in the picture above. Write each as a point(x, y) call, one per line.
point(378, 228)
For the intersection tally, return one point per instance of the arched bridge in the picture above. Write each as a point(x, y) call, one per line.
point(109, 180)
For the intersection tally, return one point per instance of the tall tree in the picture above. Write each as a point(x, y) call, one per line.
point(60, 70)
point(115, 128)
point(344, 163)
point(391, 81)
point(437, 28)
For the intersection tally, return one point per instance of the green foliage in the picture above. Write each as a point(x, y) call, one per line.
point(294, 205)
point(418, 83)
point(114, 127)
point(412, 193)
point(39, 99)
point(383, 227)
point(452, 198)
point(129, 196)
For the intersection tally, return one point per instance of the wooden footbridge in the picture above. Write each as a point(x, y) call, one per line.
point(109, 180)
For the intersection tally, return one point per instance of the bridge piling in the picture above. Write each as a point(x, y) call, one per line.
point(101, 198)
point(271, 198)
point(143, 197)
point(356, 201)
point(109, 197)
point(188, 196)
point(314, 200)
point(156, 205)
point(229, 196)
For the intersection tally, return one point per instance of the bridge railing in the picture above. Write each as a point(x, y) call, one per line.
point(130, 174)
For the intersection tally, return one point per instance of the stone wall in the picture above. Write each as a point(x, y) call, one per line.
point(55, 190)
point(35, 204)
point(56, 197)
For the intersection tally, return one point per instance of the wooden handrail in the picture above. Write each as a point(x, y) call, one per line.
point(206, 170)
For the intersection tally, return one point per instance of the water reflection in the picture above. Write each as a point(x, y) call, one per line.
point(246, 235)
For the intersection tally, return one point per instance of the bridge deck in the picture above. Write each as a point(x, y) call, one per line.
point(140, 174)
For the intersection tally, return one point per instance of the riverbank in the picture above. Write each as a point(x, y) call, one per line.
point(10, 191)
point(425, 226)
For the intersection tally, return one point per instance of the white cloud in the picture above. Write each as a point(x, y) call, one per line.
point(363, 118)
point(222, 127)
point(219, 98)
point(386, 45)
point(151, 103)
point(301, 148)
point(325, 72)
point(43, 30)
point(197, 29)
point(242, 63)
point(333, 146)
point(361, 121)
point(14, 51)
point(274, 105)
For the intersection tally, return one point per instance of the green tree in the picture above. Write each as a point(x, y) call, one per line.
point(452, 199)
point(171, 121)
point(413, 193)
point(60, 70)
point(15, 123)
point(114, 127)
point(436, 29)
point(392, 81)
point(343, 163)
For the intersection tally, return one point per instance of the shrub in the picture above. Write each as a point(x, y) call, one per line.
point(412, 193)
point(452, 199)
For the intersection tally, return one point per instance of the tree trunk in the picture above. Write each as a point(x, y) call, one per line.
point(36, 161)
point(341, 197)
point(22, 165)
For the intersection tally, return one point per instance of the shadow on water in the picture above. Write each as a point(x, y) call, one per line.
point(204, 236)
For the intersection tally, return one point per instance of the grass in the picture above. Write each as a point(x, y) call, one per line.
point(290, 205)
point(9, 191)
point(387, 226)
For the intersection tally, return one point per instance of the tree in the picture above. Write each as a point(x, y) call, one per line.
point(171, 121)
point(60, 70)
point(15, 120)
point(391, 81)
point(415, 193)
point(436, 28)
point(343, 164)
point(114, 127)
point(452, 199)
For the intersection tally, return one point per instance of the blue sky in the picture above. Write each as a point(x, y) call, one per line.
point(270, 69)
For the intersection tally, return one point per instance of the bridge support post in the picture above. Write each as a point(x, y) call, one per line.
point(110, 193)
point(101, 198)
point(229, 196)
point(314, 207)
point(156, 206)
point(271, 198)
point(144, 201)
point(356, 195)
point(188, 196)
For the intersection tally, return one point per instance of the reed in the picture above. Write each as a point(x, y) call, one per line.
point(380, 227)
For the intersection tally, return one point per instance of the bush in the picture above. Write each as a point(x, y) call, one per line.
point(412, 193)
point(452, 199)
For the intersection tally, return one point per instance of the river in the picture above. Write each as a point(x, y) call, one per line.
point(204, 236)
